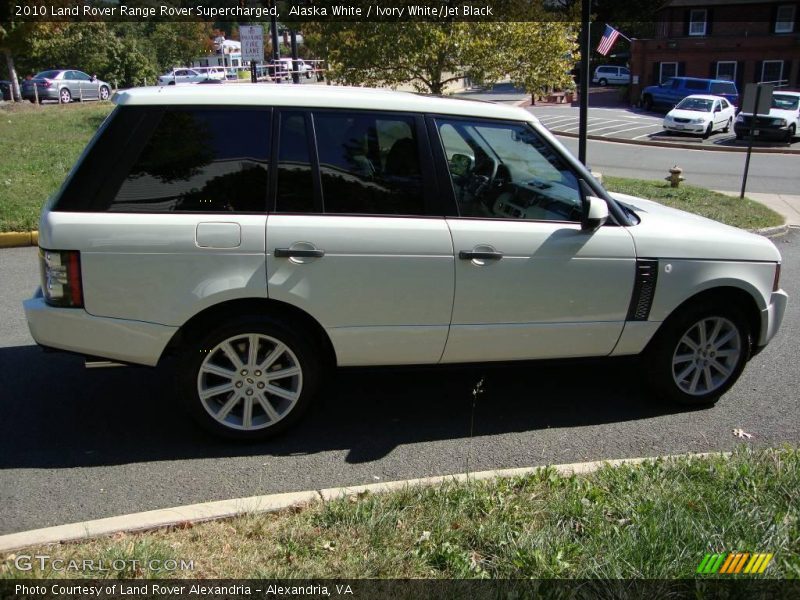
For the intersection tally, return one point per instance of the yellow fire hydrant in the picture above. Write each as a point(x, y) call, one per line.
point(675, 176)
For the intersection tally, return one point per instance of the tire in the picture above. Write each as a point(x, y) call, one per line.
point(739, 137)
point(104, 93)
point(790, 134)
point(602, 82)
point(64, 96)
point(206, 364)
point(728, 126)
point(647, 103)
point(699, 376)
point(709, 131)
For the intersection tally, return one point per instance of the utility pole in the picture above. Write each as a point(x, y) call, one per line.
point(586, 9)
point(295, 64)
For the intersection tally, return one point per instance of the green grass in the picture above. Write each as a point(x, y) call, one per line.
point(40, 145)
point(744, 213)
point(656, 520)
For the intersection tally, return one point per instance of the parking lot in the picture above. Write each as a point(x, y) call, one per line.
point(634, 124)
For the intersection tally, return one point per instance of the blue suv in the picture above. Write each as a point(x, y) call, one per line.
point(672, 91)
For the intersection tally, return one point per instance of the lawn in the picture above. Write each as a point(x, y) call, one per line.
point(41, 144)
point(656, 520)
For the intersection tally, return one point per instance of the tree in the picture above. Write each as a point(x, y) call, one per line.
point(179, 43)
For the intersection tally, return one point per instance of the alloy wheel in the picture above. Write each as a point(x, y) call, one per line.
point(249, 381)
point(706, 356)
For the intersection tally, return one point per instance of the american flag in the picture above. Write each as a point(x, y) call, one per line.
point(610, 36)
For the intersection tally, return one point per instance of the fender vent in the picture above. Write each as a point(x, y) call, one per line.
point(644, 290)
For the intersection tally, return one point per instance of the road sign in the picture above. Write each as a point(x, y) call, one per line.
point(752, 95)
point(252, 38)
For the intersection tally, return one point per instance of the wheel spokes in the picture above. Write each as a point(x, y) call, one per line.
point(714, 351)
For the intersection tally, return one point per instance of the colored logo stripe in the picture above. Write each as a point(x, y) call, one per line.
point(734, 562)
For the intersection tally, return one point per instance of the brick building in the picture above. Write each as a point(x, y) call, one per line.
point(741, 40)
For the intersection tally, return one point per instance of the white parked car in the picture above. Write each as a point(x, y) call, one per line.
point(198, 75)
point(701, 114)
point(783, 121)
point(358, 227)
point(611, 74)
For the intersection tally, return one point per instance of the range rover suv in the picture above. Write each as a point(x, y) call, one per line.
point(262, 235)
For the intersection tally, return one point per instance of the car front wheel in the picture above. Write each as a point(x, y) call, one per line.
point(699, 354)
point(248, 380)
point(104, 93)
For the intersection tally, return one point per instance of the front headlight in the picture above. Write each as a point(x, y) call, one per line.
point(781, 122)
point(740, 119)
point(668, 118)
point(697, 121)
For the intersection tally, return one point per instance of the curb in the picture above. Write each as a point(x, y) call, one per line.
point(773, 232)
point(15, 239)
point(680, 146)
point(207, 511)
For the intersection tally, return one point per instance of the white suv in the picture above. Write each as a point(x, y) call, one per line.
point(262, 234)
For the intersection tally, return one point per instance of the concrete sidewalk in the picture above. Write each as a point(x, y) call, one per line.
point(786, 205)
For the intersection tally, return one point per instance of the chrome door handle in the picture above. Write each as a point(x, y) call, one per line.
point(298, 253)
point(469, 255)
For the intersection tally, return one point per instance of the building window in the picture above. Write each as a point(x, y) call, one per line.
point(784, 19)
point(667, 70)
point(772, 71)
point(726, 69)
point(697, 21)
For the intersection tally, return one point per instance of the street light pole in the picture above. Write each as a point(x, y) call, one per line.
point(586, 7)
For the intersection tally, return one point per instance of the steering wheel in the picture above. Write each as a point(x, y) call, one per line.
point(481, 180)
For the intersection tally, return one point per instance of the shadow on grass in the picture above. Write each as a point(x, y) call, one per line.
point(56, 414)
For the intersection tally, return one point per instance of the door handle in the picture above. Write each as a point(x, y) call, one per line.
point(298, 253)
point(470, 255)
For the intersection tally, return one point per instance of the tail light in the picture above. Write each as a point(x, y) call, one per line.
point(61, 277)
point(45, 83)
point(776, 283)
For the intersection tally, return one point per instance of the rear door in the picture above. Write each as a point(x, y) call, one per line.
point(357, 239)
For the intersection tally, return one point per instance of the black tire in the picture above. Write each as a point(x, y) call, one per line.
point(790, 134)
point(64, 96)
point(602, 82)
point(709, 131)
point(665, 347)
point(727, 126)
point(739, 137)
point(104, 93)
point(647, 103)
point(300, 353)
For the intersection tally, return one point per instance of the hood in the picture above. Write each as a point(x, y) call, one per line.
point(789, 115)
point(689, 114)
point(666, 232)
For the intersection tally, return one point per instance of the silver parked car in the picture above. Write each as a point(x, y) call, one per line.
point(263, 234)
point(65, 85)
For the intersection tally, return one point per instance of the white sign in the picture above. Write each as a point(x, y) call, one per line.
point(252, 38)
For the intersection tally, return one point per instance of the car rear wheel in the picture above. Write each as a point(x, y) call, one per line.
point(699, 354)
point(728, 126)
point(64, 96)
point(603, 82)
point(249, 379)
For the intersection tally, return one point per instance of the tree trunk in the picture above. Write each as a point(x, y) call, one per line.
point(16, 95)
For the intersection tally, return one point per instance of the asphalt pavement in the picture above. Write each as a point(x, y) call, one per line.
point(78, 444)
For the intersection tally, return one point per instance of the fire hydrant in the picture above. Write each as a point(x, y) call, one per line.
point(675, 176)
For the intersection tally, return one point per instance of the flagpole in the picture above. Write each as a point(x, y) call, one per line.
point(621, 34)
point(584, 80)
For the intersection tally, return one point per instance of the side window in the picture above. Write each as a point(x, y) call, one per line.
point(80, 76)
point(295, 183)
point(696, 85)
point(200, 160)
point(369, 164)
point(501, 170)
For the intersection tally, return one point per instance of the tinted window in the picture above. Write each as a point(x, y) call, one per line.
point(200, 160)
point(47, 75)
point(695, 85)
point(369, 164)
point(508, 171)
point(723, 88)
point(80, 76)
point(295, 183)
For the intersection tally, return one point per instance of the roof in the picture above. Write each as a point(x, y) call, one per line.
point(704, 97)
point(314, 96)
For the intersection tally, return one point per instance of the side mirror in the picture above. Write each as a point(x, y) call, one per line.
point(461, 165)
point(595, 213)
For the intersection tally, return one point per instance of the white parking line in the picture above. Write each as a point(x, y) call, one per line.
point(594, 124)
point(646, 135)
point(631, 129)
point(556, 120)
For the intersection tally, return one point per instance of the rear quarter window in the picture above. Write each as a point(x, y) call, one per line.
point(177, 159)
point(723, 88)
point(695, 85)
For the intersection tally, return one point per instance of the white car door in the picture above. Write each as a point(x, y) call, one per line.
point(530, 283)
point(355, 240)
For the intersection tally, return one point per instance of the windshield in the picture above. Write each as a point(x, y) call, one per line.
point(47, 75)
point(785, 102)
point(699, 104)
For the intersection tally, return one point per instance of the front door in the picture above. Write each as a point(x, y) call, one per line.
point(355, 240)
point(529, 282)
